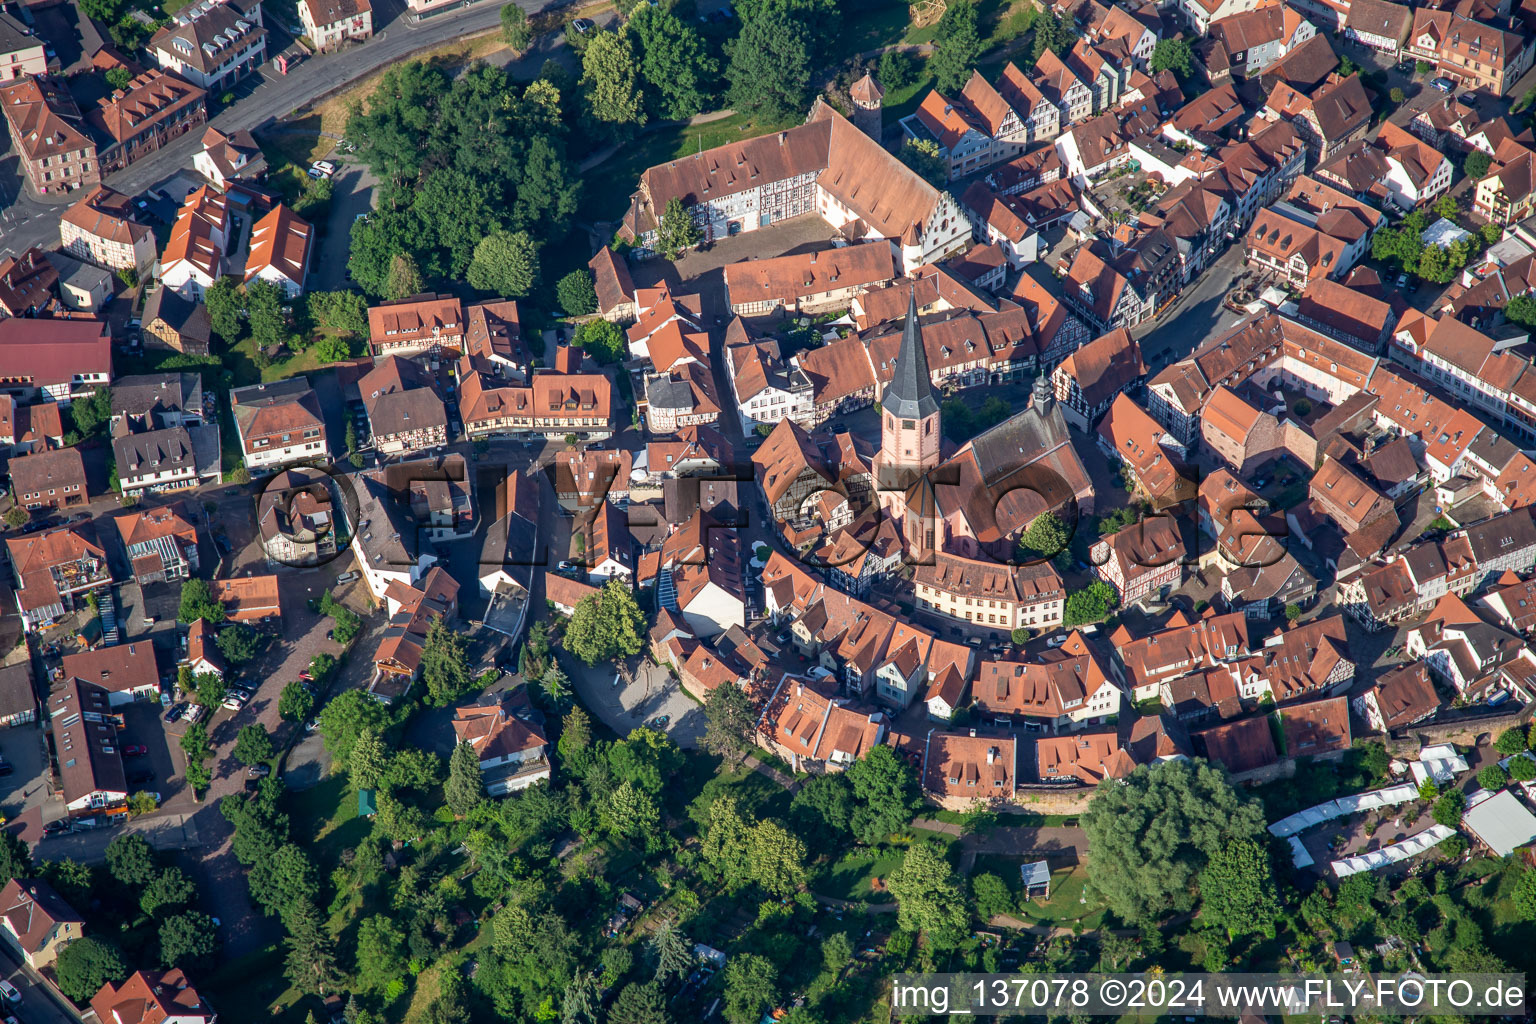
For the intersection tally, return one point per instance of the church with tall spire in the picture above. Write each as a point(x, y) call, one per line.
point(909, 437)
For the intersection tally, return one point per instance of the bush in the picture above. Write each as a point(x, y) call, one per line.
point(1511, 741)
point(1448, 808)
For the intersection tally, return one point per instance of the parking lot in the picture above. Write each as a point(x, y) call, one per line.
point(25, 749)
point(652, 694)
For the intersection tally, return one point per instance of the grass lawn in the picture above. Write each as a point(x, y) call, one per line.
point(1065, 907)
point(874, 27)
point(1011, 819)
point(251, 989)
point(609, 184)
point(324, 819)
point(851, 875)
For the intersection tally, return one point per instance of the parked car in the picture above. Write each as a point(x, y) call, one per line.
point(56, 827)
point(306, 677)
point(11, 992)
point(194, 713)
point(346, 577)
point(140, 777)
point(258, 771)
point(1056, 641)
point(1443, 84)
point(660, 721)
point(583, 25)
point(135, 750)
point(325, 167)
point(177, 710)
point(6, 768)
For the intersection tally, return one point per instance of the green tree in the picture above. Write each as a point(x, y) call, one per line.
point(189, 940)
point(728, 711)
point(836, 951)
point(630, 812)
point(777, 858)
point(310, 964)
point(1149, 836)
point(1173, 55)
point(1511, 741)
point(74, 881)
point(333, 350)
point(515, 30)
point(639, 1003)
point(603, 340)
point(676, 232)
point(195, 744)
point(574, 291)
point(197, 602)
point(769, 62)
point(343, 311)
point(1050, 34)
point(444, 665)
point(15, 858)
point(1046, 537)
point(751, 987)
point(957, 44)
point(381, 951)
point(1448, 809)
point(991, 896)
point(209, 689)
point(506, 263)
point(886, 793)
point(295, 704)
point(345, 718)
point(678, 72)
point(672, 952)
point(119, 78)
point(368, 761)
point(1237, 889)
point(224, 305)
point(896, 70)
point(610, 83)
point(86, 964)
point(16, 516)
point(465, 784)
point(1521, 309)
point(581, 1000)
point(928, 896)
point(606, 625)
point(404, 276)
point(90, 416)
point(253, 745)
point(923, 157)
point(264, 311)
point(1477, 165)
point(1525, 895)
point(1090, 604)
point(1522, 769)
point(1492, 778)
point(238, 643)
point(171, 888)
point(1445, 207)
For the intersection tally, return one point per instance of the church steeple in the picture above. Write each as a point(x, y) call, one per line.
point(909, 412)
point(910, 393)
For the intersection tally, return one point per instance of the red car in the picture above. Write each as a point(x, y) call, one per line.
point(306, 677)
point(135, 750)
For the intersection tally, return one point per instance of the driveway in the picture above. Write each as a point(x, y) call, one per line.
point(629, 705)
point(351, 197)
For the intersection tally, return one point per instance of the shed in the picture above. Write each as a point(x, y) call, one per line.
point(367, 803)
point(1036, 876)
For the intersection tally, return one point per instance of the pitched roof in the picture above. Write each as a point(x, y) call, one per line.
point(151, 997)
point(281, 242)
point(41, 472)
point(106, 214)
point(153, 97)
point(44, 119)
point(89, 759)
point(50, 352)
point(798, 275)
point(32, 909)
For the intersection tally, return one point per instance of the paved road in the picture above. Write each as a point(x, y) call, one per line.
point(30, 222)
point(39, 1003)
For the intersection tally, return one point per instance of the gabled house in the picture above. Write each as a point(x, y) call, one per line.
point(508, 737)
point(38, 923)
point(281, 245)
point(213, 43)
point(1146, 559)
point(160, 542)
point(330, 24)
point(126, 672)
point(1090, 378)
point(152, 997)
point(54, 570)
point(278, 424)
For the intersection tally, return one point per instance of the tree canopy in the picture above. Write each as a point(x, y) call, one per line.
point(1151, 835)
point(606, 625)
point(929, 897)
